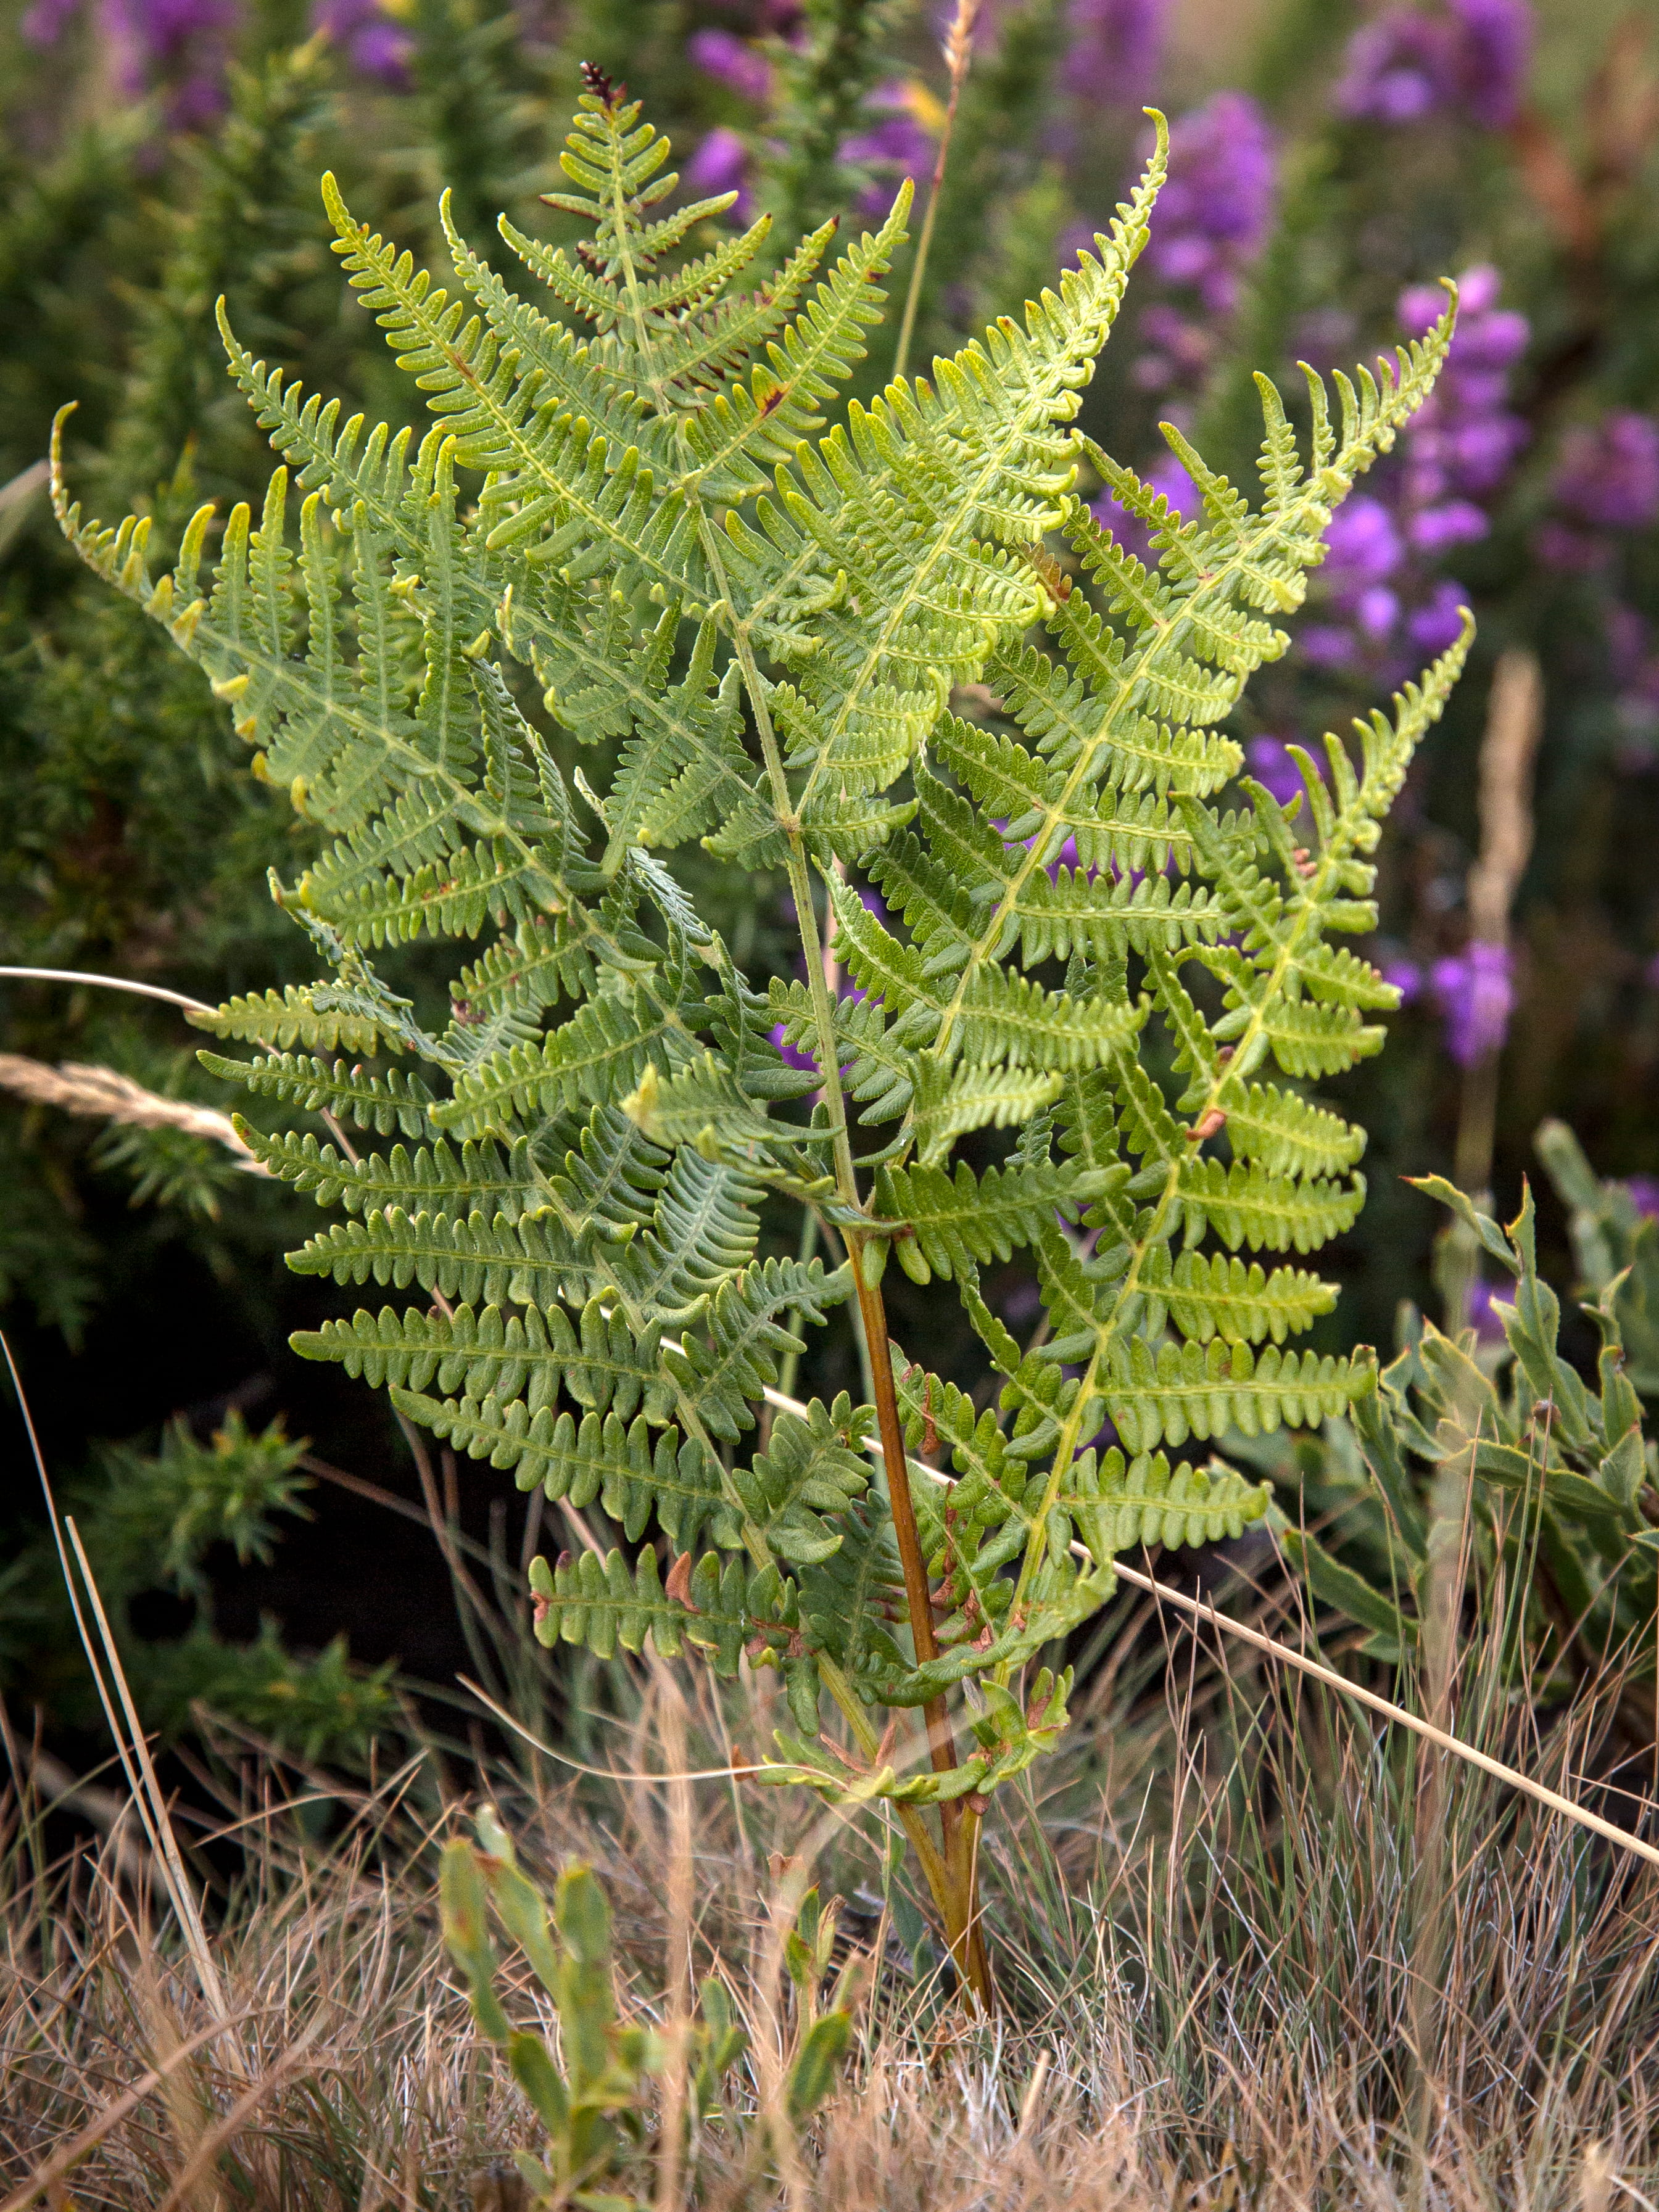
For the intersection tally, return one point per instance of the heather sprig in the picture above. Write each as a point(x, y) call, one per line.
point(1381, 602)
point(1409, 63)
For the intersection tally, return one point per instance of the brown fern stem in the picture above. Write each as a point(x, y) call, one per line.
point(960, 1826)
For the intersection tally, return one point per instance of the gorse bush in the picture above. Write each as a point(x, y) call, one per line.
point(629, 519)
point(152, 1524)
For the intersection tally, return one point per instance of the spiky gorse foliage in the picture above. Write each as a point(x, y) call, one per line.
point(764, 624)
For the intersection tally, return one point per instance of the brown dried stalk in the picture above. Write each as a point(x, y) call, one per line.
point(79, 1089)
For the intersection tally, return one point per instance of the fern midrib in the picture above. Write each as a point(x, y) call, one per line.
point(1020, 425)
point(1166, 632)
point(1066, 1449)
point(624, 255)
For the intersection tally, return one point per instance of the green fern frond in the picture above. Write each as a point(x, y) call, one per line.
point(601, 1604)
point(381, 1102)
point(1118, 1503)
point(1192, 1389)
point(505, 1355)
point(433, 1177)
point(640, 526)
point(290, 1017)
point(802, 1484)
point(744, 1337)
point(954, 1222)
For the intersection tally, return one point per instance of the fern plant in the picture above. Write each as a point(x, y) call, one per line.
point(628, 523)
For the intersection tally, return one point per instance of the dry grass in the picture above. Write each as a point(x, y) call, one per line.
point(1252, 1954)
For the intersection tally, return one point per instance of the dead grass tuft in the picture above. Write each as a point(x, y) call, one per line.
point(1252, 1953)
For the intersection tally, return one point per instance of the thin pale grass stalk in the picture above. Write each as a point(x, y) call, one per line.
point(131, 1743)
point(147, 1793)
point(77, 1088)
point(109, 984)
point(1515, 725)
point(181, 998)
point(669, 2195)
point(958, 57)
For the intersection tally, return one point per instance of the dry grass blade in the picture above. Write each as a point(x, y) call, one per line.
point(101, 1091)
point(77, 1088)
point(63, 2162)
point(130, 1741)
point(1444, 1740)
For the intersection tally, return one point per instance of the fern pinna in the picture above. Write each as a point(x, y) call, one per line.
point(628, 521)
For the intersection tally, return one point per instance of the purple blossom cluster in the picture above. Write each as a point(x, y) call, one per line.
point(1606, 480)
point(1213, 220)
point(1473, 990)
point(892, 147)
point(1471, 57)
point(1114, 51)
point(893, 144)
point(377, 45)
point(719, 164)
point(733, 61)
point(180, 48)
point(1476, 992)
point(1381, 606)
point(1213, 217)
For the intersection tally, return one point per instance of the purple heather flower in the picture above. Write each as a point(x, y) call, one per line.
point(1494, 54)
point(1113, 50)
point(894, 147)
point(45, 23)
point(1213, 217)
point(1437, 624)
point(1270, 762)
point(1452, 456)
point(1643, 1191)
point(1405, 64)
point(1436, 530)
point(1400, 68)
point(180, 47)
point(1213, 213)
point(1476, 991)
point(377, 45)
point(1608, 475)
point(719, 164)
point(1482, 1315)
point(1364, 550)
point(733, 61)
point(1404, 974)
